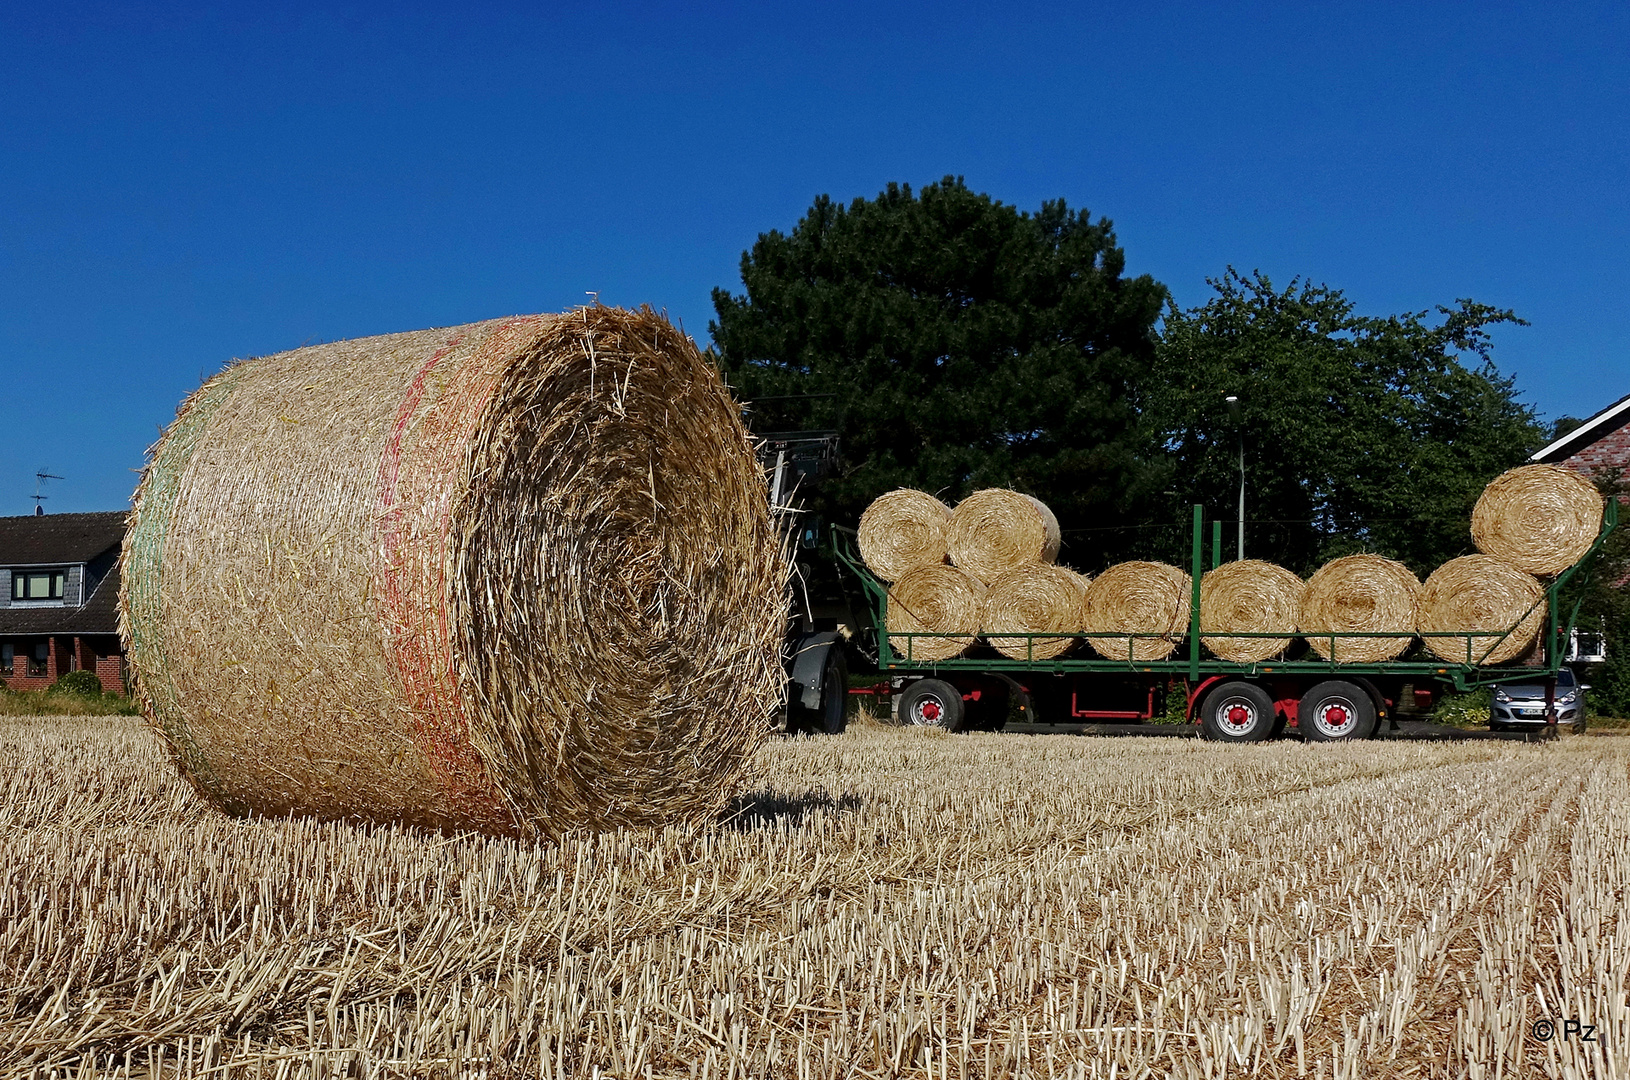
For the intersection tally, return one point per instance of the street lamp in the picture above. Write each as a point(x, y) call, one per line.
point(1239, 427)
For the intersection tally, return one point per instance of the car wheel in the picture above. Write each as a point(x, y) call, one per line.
point(1237, 712)
point(1336, 711)
point(933, 703)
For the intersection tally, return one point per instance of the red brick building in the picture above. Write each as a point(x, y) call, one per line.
point(59, 599)
point(1599, 444)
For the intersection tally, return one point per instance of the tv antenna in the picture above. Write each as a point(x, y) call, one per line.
point(39, 495)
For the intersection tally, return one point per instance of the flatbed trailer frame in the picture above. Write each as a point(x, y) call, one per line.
point(1287, 680)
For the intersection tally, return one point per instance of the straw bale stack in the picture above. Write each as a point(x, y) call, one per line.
point(1360, 594)
point(1249, 597)
point(1138, 598)
point(1539, 518)
point(996, 530)
point(934, 600)
point(1481, 592)
point(517, 576)
point(1035, 600)
point(901, 531)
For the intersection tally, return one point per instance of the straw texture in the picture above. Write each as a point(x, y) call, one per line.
point(517, 576)
point(934, 600)
point(1035, 600)
point(901, 531)
point(1481, 592)
point(1362, 594)
point(996, 530)
point(1138, 598)
point(1539, 518)
point(1249, 597)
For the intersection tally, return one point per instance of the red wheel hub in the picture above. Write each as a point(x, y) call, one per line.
point(1238, 714)
point(1335, 716)
point(931, 711)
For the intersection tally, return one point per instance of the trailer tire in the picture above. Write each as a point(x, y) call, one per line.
point(1237, 712)
point(1336, 711)
point(933, 703)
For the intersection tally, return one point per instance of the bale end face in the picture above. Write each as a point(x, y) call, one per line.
point(1539, 518)
point(934, 600)
point(996, 530)
point(901, 531)
point(1360, 594)
point(1481, 593)
point(1249, 597)
point(1148, 601)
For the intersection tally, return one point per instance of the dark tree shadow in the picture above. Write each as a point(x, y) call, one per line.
point(762, 809)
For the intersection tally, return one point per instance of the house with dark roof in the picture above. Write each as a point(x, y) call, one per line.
point(1599, 444)
point(59, 599)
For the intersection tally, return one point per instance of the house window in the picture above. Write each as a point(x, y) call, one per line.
point(36, 661)
point(8, 660)
point(37, 584)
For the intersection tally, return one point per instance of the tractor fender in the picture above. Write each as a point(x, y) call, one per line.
point(807, 665)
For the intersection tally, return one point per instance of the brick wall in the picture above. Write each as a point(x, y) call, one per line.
point(1610, 451)
point(110, 669)
point(68, 654)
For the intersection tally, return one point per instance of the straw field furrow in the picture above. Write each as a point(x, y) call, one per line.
point(886, 903)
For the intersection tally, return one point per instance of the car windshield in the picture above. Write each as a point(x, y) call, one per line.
point(1564, 683)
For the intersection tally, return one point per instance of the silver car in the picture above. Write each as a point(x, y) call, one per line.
point(1522, 705)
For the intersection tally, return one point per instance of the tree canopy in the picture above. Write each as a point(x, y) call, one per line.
point(956, 343)
point(1360, 432)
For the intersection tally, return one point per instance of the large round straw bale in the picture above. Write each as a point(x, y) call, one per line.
point(1481, 592)
point(1249, 597)
point(996, 530)
point(901, 531)
point(934, 600)
point(517, 576)
point(1539, 518)
point(1360, 594)
point(1034, 600)
point(1138, 598)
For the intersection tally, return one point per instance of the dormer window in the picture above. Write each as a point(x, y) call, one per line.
point(37, 584)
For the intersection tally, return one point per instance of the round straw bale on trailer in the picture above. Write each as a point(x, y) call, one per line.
point(518, 576)
point(996, 530)
point(934, 600)
point(1034, 600)
point(1360, 594)
point(1249, 597)
point(1539, 518)
point(1481, 592)
point(901, 531)
point(1138, 598)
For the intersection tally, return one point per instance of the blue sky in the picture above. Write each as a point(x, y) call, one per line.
point(183, 186)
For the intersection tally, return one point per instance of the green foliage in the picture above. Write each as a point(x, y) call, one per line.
point(1360, 433)
point(1463, 710)
point(83, 683)
point(957, 343)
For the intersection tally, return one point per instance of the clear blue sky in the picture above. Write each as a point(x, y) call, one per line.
point(183, 186)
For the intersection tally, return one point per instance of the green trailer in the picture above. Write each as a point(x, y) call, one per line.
point(1321, 699)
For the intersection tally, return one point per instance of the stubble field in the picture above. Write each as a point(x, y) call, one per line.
point(887, 903)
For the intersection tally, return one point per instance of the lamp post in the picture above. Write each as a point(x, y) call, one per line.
point(1239, 428)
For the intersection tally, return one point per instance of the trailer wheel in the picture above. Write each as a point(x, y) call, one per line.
point(1237, 712)
point(1335, 711)
point(933, 703)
